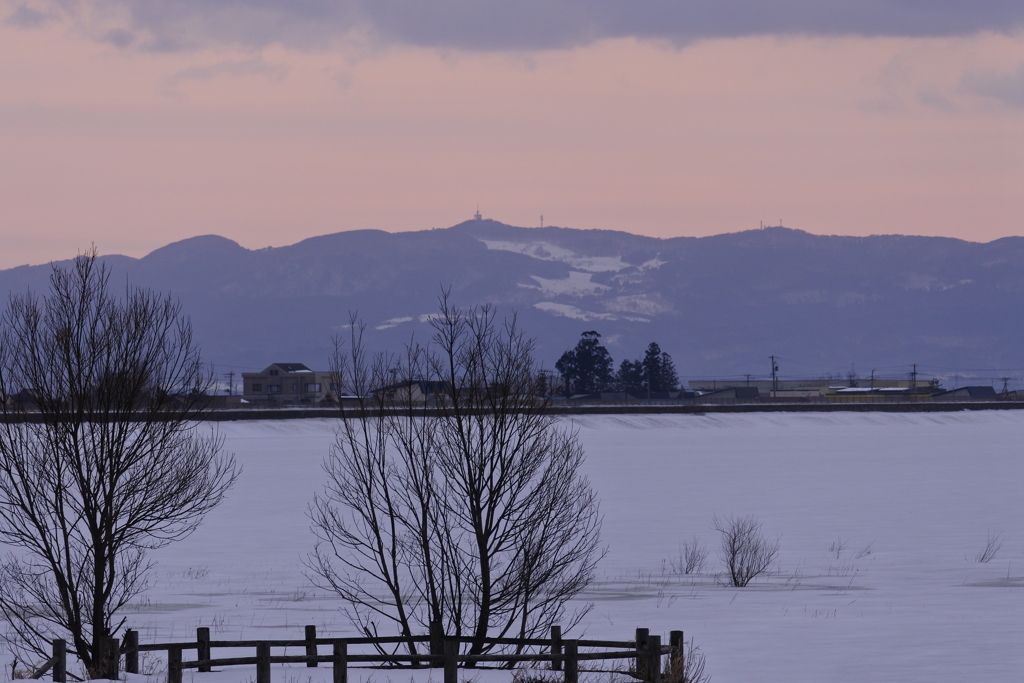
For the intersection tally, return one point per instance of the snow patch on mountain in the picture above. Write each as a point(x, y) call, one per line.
point(392, 322)
point(567, 311)
point(545, 251)
point(642, 304)
point(930, 283)
point(577, 284)
point(653, 264)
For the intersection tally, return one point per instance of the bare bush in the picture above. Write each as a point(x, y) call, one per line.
point(690, 668)
point(992, 546)
point(837, 547)
point(525, 675)
point(692, 558)
point(745, 551)
point(101, 460)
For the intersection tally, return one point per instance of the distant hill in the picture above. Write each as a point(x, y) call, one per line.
point(720, 305)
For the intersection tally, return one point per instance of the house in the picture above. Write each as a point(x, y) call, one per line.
point(288, 383)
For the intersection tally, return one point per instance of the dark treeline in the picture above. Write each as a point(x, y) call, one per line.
point(588, 368)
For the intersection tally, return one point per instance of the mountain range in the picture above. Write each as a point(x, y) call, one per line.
point(720, 305)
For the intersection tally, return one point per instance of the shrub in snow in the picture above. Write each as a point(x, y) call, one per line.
point(745, 551)
point(692, 557)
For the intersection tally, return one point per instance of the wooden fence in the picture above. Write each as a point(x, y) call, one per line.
point(644, 654)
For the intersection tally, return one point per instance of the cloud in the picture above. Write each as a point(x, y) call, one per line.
point(1008, 88)
point(119, 37)
point(24, 16)
point(936, 100)
point(231, 69)
point(490, 25)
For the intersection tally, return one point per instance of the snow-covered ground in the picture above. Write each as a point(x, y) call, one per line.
point(911, 498)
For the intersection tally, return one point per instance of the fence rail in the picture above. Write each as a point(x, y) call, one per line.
point(645, 653)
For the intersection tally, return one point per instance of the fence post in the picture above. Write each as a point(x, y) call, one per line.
point(111, 658)
point(572, 663)
point(60, 661)
point(174, 664)
point(451, 660)
point(436, 644)
point(203, 648)
point(340, 661)
point(131, 651)
point(556, 648)
point(641, 648)
point(263, 663)
point(654, 659)
point(677, 660)
point(311, 645)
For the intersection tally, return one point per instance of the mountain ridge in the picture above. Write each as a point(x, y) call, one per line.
point(719, 304)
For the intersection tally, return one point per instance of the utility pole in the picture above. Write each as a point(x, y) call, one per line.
point(775, 378)
point(872, 378)
point(913, 381)
point(748, 379)
point(231, 382)
point(1006, 385)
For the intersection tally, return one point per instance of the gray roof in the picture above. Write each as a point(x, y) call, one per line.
point(973, 391)
point(293, 367)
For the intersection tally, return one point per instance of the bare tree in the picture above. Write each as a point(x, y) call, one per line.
point(100, 457)
point(375, 520)
point(692, 557)
point(454, 500)
point(745, 551)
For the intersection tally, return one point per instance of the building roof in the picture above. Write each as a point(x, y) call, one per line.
point(292, 367)
point(868, 390)
point(736, 392)
point(973, 391)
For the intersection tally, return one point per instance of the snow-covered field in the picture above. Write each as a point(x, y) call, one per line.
point(912, 497)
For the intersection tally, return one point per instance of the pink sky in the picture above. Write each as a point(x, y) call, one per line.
point(132, 148)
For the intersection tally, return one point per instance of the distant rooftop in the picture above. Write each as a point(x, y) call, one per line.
point(293, 367)
point(973, 391)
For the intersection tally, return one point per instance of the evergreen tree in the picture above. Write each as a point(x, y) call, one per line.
point(630, 377)
point(587, 368)
point(659, 370)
